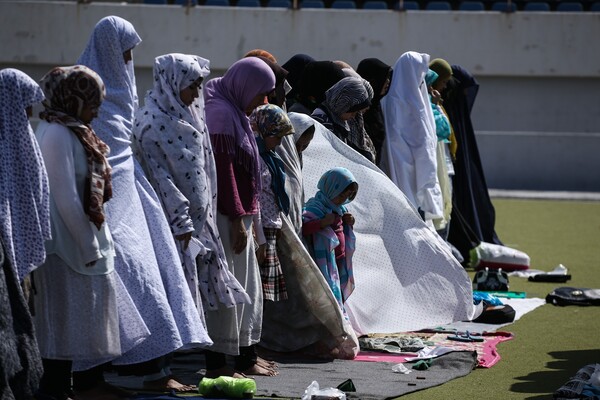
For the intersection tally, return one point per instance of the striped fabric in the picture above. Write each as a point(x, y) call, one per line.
point(273, 281)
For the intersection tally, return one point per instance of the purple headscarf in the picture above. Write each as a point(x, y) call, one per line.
point(226, 100)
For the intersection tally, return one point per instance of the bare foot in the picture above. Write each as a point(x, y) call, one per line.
point(167, 384)
point(224, 371)
point(257, 369)
point(266, 363)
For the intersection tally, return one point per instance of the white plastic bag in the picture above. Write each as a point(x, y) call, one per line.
point(313, 392)
point(494, 256)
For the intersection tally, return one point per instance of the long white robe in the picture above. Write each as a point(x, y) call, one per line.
point(409, 150)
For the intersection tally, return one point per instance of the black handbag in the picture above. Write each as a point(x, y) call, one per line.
point(490, 280)
point(567, 296)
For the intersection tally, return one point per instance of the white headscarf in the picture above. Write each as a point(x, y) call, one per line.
point(111, 37)
point(409, 151)
point(173, 146)
point(24, 196)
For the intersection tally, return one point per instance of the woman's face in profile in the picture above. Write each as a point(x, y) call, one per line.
point(191, 93)
point(304, 140)
point(88, 113)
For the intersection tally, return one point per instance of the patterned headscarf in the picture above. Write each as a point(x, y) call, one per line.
point(68, 91)
point(270, 120)
point(173, 73)
point(348, 95)
point(24, 193)
point(332, 183)
point(226, 101)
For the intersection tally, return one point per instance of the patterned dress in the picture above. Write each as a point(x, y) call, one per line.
point(147, 259)
point(24, 225)
point(173, 146)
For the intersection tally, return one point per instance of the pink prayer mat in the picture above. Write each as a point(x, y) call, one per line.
point(487, 355)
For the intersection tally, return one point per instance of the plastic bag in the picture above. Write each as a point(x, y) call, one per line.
point(228, 387)
point(313, 392)
point(400, 369)
point(494, 256)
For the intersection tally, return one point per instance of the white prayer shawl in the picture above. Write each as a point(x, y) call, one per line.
point(24, 195)
point(409, 150)
point(293, 167)
point(172, 144)
point(406, 277)
point(147, 259)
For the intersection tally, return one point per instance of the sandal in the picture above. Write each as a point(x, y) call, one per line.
point(466, 337)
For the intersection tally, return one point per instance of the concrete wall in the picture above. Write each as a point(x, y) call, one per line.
point(539, 72)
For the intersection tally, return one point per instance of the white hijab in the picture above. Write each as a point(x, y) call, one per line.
point(111, 37)
point(24, 196)
point(409, 150)
point(293, 167)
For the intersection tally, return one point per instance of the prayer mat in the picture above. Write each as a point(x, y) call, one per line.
point(372, 380)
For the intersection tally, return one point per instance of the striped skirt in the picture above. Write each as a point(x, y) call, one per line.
point(271, 274)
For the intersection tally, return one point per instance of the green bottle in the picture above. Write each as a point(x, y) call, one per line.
point(227, 386)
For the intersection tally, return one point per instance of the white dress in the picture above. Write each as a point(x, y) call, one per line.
point(77, 315)
point(409, 151)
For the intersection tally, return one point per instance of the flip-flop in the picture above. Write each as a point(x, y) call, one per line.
point(466, 337)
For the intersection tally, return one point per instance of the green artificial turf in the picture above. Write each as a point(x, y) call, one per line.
point(551, 343)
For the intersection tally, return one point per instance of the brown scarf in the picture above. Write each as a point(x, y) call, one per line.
point(68, 91)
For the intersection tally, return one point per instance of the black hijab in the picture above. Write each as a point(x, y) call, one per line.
point(473, 215)
point(375, 72)
point(295, 66)
point(317, 77)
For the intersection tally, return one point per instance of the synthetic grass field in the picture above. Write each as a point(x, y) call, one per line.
point(551, 343)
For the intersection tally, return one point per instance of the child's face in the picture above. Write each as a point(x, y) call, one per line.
point(271, 142)
point(440, 84)
point(349, 193)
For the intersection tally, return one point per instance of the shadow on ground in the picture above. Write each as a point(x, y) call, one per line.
point(564, 366)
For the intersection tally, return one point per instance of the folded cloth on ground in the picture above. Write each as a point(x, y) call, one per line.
point(558, 270)
point(438, 344)
point(393, 344)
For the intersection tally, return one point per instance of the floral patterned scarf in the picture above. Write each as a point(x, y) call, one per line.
point(68, 91)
